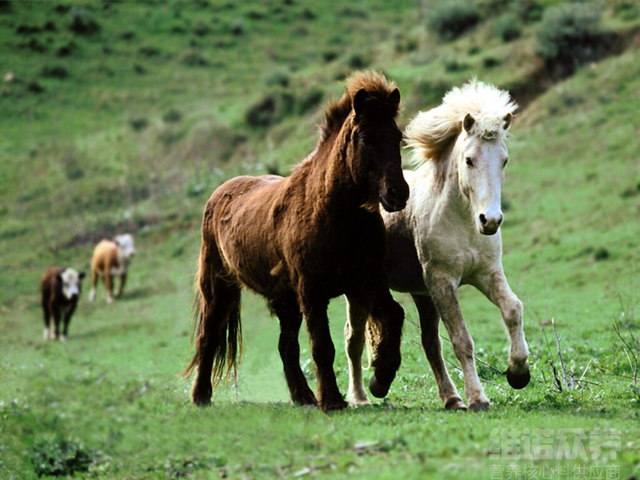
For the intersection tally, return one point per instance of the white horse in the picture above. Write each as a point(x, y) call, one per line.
point(449, 235)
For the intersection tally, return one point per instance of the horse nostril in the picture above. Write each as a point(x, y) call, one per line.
point(392, 193)
point(483, 219)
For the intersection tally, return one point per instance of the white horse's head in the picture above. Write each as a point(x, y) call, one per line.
point(466, 135)
point(481, 156)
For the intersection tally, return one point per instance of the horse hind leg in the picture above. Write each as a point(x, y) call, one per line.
point(290, 319)
point(217, 342)
point(430, 336)
point(354, 337)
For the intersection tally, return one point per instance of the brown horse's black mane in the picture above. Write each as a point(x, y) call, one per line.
point(378, 88)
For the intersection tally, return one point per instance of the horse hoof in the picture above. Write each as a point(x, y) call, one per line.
point(377, 389)
point(334, 406)
point(518, 381)
point(308, 400)
point(201, 398)
point(455, 403)
point(479, 407)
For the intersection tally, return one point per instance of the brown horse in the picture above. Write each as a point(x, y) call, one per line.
point(302, 240)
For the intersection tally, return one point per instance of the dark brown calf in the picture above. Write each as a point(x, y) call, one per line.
point(60, 289)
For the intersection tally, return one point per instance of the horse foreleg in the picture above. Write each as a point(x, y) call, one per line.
point(290, 319)
point(323, 352)
point(354, 338)
point(387, 317)
point(430, 336)
point(444, 294)
point(497, 290)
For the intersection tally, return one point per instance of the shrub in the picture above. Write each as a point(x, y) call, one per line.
point(172, 116)
point(451, 20)
point(277, 78)
point(82, 23)
point(55, 71)
point(570, 35)
point(139, 124)
point(194, 58)
point(507, 28)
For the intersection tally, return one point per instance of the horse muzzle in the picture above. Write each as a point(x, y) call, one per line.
point(393, 201)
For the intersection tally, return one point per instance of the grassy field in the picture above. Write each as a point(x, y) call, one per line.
point(160, 103)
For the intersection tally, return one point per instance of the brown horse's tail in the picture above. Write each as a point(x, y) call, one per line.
point(216, 328)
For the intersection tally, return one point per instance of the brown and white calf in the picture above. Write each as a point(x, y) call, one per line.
point(111, 259)
point(60, 289)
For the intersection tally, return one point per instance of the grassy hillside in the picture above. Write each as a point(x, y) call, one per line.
point(124, 116)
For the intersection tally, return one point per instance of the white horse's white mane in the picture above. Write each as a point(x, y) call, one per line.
point(430, 133)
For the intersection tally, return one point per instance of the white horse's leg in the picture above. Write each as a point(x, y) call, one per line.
point(444, 294)
point(497, 290)
point(354, 338)
point(429, 323)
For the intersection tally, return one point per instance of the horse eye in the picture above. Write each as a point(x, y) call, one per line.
point(469, 162)
point(506, 160)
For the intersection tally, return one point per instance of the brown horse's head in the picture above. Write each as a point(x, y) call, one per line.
point(373, 157)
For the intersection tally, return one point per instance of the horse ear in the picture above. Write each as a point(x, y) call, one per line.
point(468, 122)
point(394, 97)
point(507, 120)
point(358, 101)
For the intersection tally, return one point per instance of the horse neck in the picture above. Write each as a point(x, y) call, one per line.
point(330, 179)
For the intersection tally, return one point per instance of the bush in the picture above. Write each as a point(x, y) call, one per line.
point(507, 28)
point(570, 35)
point(451, 20)
point(172, 116)
point(270, 109)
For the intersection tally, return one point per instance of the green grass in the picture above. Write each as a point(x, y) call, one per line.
point(73, 169)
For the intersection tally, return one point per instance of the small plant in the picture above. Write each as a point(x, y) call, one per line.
point(452, 19)
point(567, 381)
point(61, 457)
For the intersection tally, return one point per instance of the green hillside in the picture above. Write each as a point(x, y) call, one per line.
point(124, 116)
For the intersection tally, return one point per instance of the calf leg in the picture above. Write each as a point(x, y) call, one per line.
point(67, 319)
point(94, 284)
point(290, 319)
point(56, 322)
point(444, 294)
point(123, 280)
point(496, 288)
point(108, 284)
point(47, 322)
point(354, 336)
point(430, 335)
